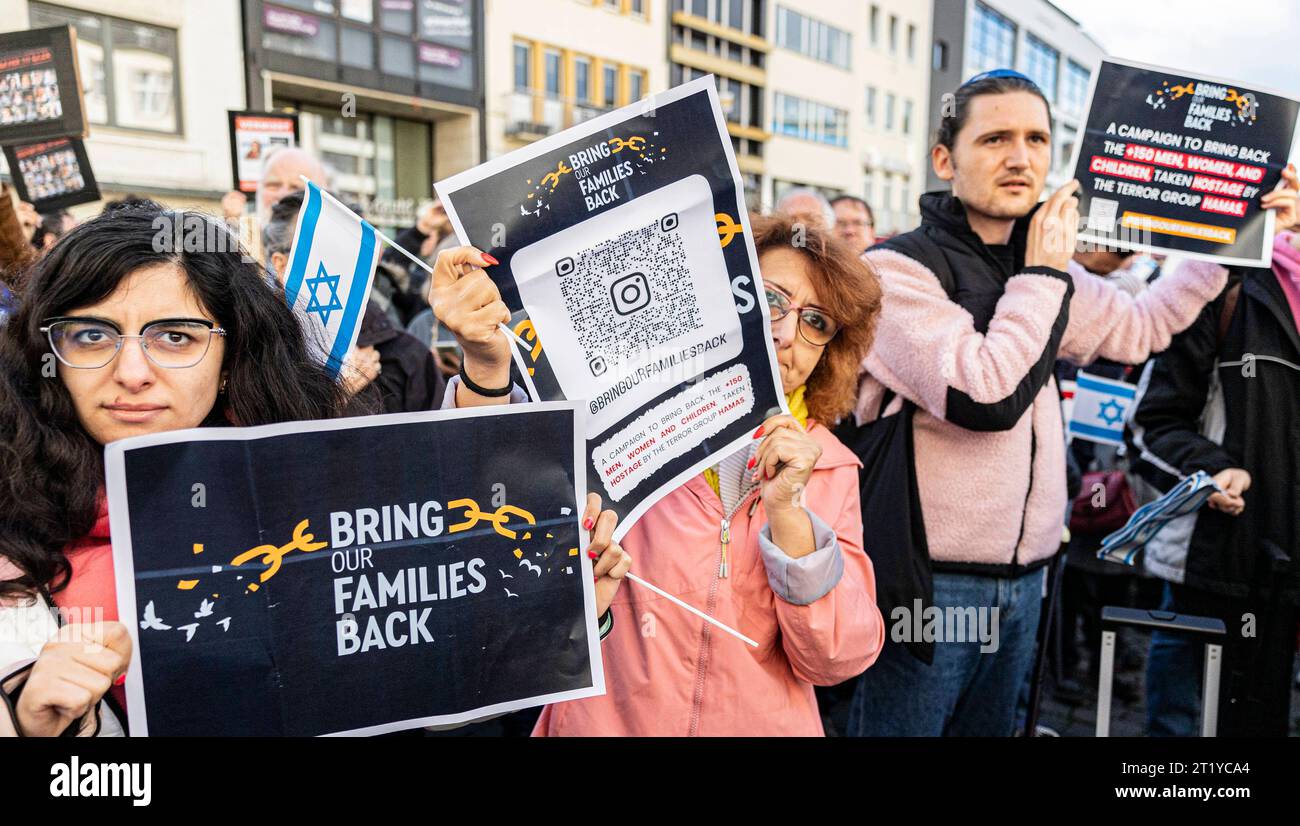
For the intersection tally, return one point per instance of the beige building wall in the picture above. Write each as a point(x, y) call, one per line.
point(191, 168)
point(603, 32)
point(881, 162)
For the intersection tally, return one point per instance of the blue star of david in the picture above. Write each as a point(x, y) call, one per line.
point(331, 283)
point(1111, 412)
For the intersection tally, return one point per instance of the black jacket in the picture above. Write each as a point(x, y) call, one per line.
point(1210, 404)
point(409, 378)
point(974, 275)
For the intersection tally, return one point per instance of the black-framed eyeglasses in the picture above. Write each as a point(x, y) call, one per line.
point(814, 324)
point(89, 343)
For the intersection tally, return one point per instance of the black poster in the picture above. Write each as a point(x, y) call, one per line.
point(53, 174)
point(354, 576)
point(40, 89)
point(1176, 163)
point(626, 257)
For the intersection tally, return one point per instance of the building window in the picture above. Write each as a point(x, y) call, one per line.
point(911, 43)
point(813, 38)
point(581, 79)
point(1076, 86)
point(637, 7)
point(635, 86)
point(889, 111)
point(893, 34)
point(993, 41)
point(523, 66)
point(907, 117)
point(810, 121)
point(554, 74)
point(1065, 154)
point(1041, 64)
point(871, 106)
point(129, 71)
point(940, 56)
point(875, 25)
point(610, 86)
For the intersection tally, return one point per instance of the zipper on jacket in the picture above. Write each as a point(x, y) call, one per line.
point(702, 661)
point(724, 533)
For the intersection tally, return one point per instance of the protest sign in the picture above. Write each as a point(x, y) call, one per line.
point(253, 135)
point(40, 89)
point(626, 257)
point(1176, 163)
point(52, 175)
point(354, 576)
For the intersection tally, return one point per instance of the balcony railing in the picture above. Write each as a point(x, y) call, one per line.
point(532, 115)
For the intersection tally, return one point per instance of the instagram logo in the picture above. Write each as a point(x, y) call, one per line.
point(630, 293)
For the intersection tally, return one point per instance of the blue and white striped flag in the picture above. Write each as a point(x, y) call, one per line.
point(1184, 498)
point(1100, 408)
point(330, 270)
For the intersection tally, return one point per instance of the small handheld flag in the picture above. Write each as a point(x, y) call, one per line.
point(330, 271)
point(1100, 408)
point(1183, 498)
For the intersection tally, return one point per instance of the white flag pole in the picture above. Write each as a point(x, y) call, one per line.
point(415, 259)
point(697, 612)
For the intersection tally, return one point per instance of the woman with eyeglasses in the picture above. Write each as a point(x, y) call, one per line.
point(768, 541)
point(117, 334)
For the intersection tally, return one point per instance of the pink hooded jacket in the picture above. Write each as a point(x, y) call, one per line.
point(670, 673)
point(997, 498)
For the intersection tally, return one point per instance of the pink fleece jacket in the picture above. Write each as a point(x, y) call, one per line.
point(1286, 266)
point(977, 488)
point(669, 673)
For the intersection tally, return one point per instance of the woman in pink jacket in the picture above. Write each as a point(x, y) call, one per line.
point(793, 577)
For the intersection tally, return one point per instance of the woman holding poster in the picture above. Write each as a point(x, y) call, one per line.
point(212, 343)
point(768, 541)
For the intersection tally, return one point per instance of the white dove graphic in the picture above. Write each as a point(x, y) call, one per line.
point(151, 621)
point(189, 630)
point(537, 569)
point(504, 575)
point(205, 609)
point(224, 623)
point(509, 594)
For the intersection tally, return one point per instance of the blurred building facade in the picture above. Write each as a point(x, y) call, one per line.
point(389, 92)
point(157, 80)
point(551, 64)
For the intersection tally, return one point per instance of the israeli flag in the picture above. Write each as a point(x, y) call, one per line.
point(331, 268)
point(1100, 408)
point(1184, 498)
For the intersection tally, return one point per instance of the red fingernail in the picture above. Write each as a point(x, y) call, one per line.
point(490, 260)
point(120, 680)
point(588, 523)
point(753, 460)
point(759, 432)
point(593, 554)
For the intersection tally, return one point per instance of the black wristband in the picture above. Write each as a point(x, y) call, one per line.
point(484, 391)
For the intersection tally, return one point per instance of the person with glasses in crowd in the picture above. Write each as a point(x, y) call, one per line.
point(768, 541)
point(114, 337)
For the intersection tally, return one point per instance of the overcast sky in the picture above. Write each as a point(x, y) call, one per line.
point(1251, 41)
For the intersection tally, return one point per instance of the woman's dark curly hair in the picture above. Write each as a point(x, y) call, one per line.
point(51, 470)
point(848, 290)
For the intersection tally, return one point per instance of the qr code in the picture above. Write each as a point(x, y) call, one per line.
point(630, 293)
point(1101, 214)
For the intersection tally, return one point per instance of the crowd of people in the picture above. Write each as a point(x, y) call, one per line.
point(947, 342)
